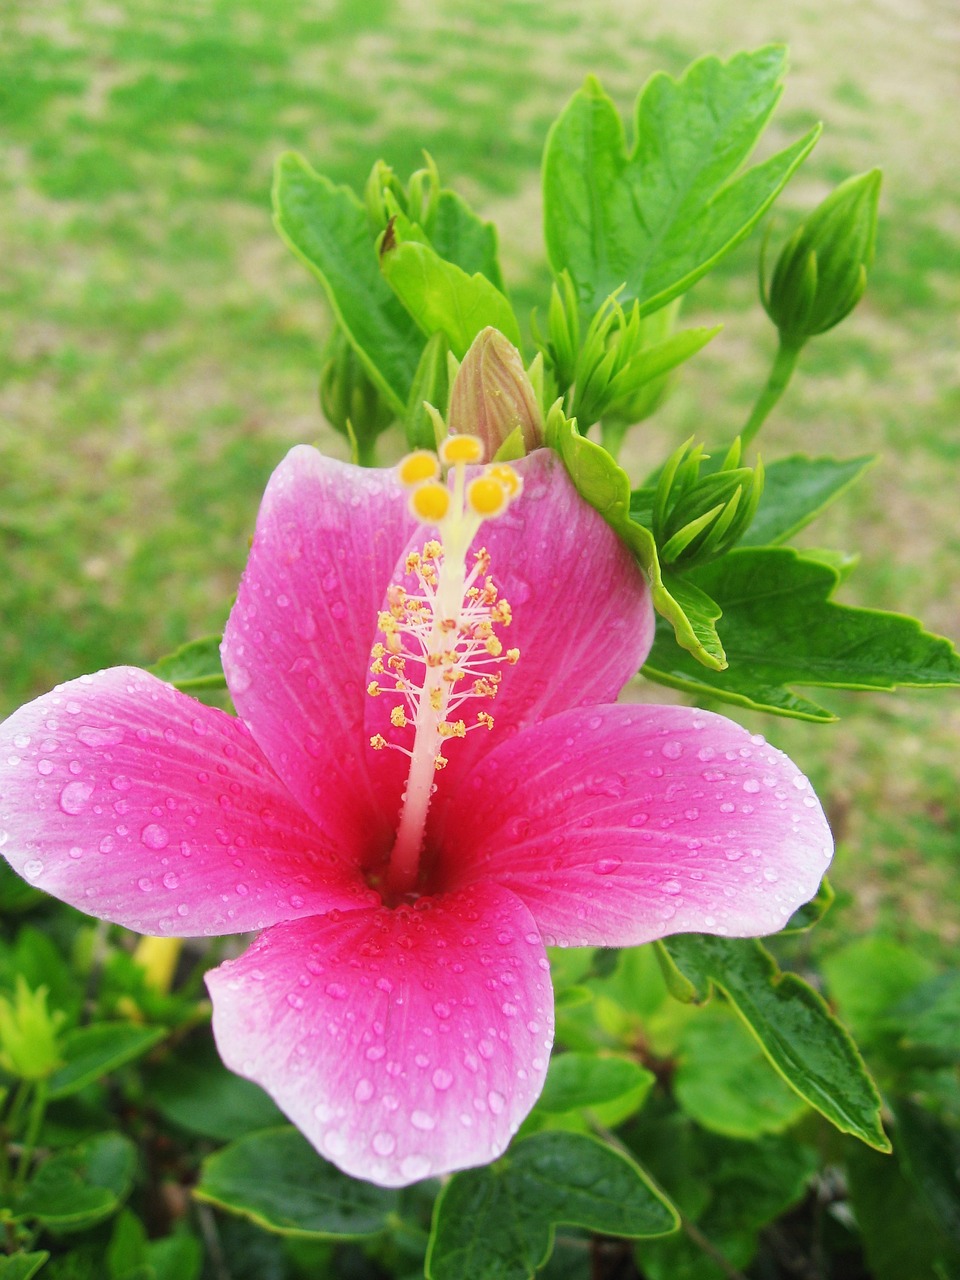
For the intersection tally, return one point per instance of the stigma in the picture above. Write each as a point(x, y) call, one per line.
point(440, 645)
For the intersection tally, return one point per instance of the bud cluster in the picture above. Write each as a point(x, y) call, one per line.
point(699, 516)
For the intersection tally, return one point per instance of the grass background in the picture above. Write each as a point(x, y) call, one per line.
point(159, 348)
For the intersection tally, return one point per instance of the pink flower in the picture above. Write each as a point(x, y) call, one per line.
point(407, 1039)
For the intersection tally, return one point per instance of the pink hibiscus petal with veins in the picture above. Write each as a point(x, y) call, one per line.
point(407, 839)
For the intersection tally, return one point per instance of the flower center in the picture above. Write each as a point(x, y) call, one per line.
point(440, 648)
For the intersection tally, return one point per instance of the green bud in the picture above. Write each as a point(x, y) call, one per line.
point(350, 401)
point(699, 516)
point(28, 1033)
point(493, 396)
point(384, 194)
point(821, 273)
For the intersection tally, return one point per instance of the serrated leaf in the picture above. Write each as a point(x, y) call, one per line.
point(659, 217)
point(460, 236)
point(780, 628)
point(439, 295)
point(724, 1081)
point(326, 227)
point(497, 1223)
point(92, 1051)
point(22, 1266)
point(795, 491)
point(793, 1026)
point(606, 486)
point(195, 665)
point(277, 1180)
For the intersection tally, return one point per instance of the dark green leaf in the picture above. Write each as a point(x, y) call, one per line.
point(793, 1026)
point(497, 1223)
point(75, 1189)
point(277, 1179)
point(193, 1089)
point(439, 295)
point(724, 1081)
point(195, 665)
point(326, 227)
point(92, 1051)
point(929, 1017)
point(929, 1151)
point(22, 1266)
point(780, 629)
point(659, 217)
point(606, 486)
point(795, 491)
point(177, 1257)
point(577, 1080)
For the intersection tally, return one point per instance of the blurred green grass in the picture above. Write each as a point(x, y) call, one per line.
point(159, 349)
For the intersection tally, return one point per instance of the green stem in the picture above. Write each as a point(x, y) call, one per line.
point(780, 374)
point(38, 1109)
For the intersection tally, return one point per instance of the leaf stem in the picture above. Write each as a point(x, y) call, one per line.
point(781, 372)
point(35, 1119)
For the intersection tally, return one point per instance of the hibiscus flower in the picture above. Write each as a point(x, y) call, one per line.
point(426, 783)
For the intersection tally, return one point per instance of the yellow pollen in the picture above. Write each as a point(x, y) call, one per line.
point(436, 699)
point(418, 466)
point(430, 502)
point(512, 656)
point(459, 449)
point(373, 689)
point(378, 742)
point(432, 550)
point(377, 667)
point(493, 646)
point(505, 475)
point(456, 730)
point(398, 717)
point(502, 613)
point(487, 497)
point(439, 762)
point(413, 562)
point(484, 718)
point(378, 651)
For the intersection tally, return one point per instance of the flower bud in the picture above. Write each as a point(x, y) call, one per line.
point(28, 1033)
point(821, 273)
point(699, 517)
point(493, 396)
point(348, 395)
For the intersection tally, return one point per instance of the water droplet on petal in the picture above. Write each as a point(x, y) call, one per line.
point(442, 1079)
point(421, 1120)
point(606, 866)
point(97, 736)
point(154, 836)
point(75, 796)
point(33, 868)
point(384, 1144)
point(751, 786)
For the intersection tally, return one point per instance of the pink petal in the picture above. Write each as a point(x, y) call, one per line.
point(402, 1043)
point(582, 619)
point(297, 645)
point(621, 824)
point(136, 803)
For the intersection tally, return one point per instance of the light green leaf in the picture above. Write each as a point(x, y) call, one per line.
point(606, 486)
point(439, 295)
point(326, 227)
point(780, 629)
point(277, 1180)
point(459, 235)
point(92, 1051)
point(929, 1017)
point(22, 1266)
point(795, 491)
point(659, 217)
point(576, 1080)
point(195, 665)
point(792, 1025)
point(724, 1082)
point(893, 972)
point(497, 1223)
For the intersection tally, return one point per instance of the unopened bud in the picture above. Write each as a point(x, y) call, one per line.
point(493, 396)
point(349, 396)
point(699, 517)
point(821, 273)
point(28, 1033)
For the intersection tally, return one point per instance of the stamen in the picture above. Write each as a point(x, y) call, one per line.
point(438, 631)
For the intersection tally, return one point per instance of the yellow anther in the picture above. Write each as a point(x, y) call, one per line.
point(377, 667)
point(378, 742)
point(505, 474)
point(398, 717)
point(439, 762)
point(487, 497)
point(458, 449)
point(387, 623)
point(432, 550)
point(512, 656)
point(457, 729)
point(418, 466)
point(373, 689)
point(485, 718)
point(413, 562)
point(436, 699)
point(502, 613)
point(378, 651)
point(493, 646)
point(430, 502)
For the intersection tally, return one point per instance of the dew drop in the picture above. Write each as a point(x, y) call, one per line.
point(384, 1144)
point(154, 836)
point(606, 866)
point(442, 1079)
point(336, 990)
point(414, 1167)
point(95, 736)
point(671, 886)
point(364, 1090)
point(751, 786)
point(423, 1121)
point(33, 868)
point(441, 1010)
point(75, 796)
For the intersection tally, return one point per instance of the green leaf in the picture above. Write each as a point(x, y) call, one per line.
point(22, 1266)
point(194, 1090)
point(606, 486)
point(195, 665)
point(795, 491)
point(439, 295)
point(459, 235)
point(780, 628)
point(659, 217)
point(497, 1223)
point(929, 1017)
point(75, 1189)
point(725, 1083)
point(326, 227)
point(92, 1051)
point(930, 1155)
point(576, 1080)
point(792, 1025)
point(277, 1180)
point(892, 970)
point(812, 912)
